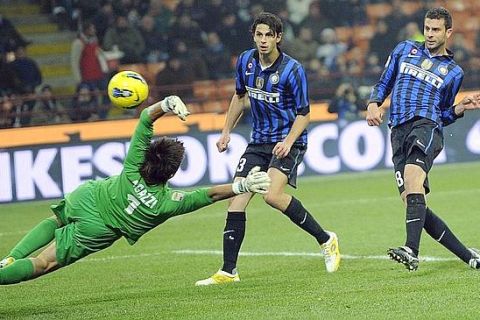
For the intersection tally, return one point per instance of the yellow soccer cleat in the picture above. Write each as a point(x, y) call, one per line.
point(6, 262)
point(221, 277)
point(331, 252)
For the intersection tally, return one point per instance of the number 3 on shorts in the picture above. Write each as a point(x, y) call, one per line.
point(398, 177)
point(241, 164)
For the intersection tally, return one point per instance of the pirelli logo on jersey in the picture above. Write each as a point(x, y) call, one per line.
point(257, 94)
point(421, 74)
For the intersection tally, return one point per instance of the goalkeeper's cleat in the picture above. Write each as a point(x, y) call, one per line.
point(6, 262)
point(331, 252)
point(221, 277)
point(475, 260)
point(405, 256)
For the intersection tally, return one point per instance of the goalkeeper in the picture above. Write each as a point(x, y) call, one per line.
point(98, 213)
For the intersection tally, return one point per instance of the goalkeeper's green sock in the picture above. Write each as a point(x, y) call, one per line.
point(41, 235)
point(18, 271)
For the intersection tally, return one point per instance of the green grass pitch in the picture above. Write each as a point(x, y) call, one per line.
point(283, 277)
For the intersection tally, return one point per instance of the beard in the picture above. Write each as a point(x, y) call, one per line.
point(436, 46)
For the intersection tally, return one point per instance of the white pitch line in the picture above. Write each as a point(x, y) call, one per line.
point(253, 254)
point(302, 254)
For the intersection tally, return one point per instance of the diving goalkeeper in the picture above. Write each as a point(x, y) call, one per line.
point(100, 212)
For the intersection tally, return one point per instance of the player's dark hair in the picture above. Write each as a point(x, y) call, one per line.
point(271, 20)
point(440, 13)
point(162, 160)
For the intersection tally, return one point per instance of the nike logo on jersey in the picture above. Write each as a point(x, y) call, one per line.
point(412, 220)
point(420, 143)
point(284, 169)
point(419, 161)
point(413, 56)
point(248, 73)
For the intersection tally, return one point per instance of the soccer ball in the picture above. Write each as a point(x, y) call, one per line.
point(127, 89)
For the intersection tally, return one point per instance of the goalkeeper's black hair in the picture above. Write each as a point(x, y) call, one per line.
point(162, 159)
point(440, 13)
point(271, 20)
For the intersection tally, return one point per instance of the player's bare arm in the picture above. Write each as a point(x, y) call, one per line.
point(470, 102)
point(282, 149)
point(235, 110)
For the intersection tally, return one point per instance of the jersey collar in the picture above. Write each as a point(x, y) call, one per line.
point(274, 66)
point(427, 52)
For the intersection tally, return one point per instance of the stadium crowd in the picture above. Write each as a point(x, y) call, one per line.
point(342, 43)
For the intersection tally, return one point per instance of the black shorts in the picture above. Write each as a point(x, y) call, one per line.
point(418, 141)
point(261, 155)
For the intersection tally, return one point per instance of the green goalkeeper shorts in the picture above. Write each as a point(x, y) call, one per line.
point(84, 231)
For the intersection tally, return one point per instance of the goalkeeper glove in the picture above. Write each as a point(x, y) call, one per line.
point(175, 105)
point(256, 181)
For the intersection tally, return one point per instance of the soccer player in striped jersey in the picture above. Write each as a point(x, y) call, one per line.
point(424, 80)
point(276, 87)
point(99, 212)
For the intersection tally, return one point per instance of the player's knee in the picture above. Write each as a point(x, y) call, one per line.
point(40, 265)
point(414, 177)
point(272, 199)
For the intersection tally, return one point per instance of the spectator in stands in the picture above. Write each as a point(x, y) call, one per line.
point(477, 40)
point(352, 13)
point(155, 42)
point(127, 38)
point(192, 60)
point(316, 20)
point(10, 39)
point(176, 78)
point(29, 76)
point(184, 28)
point(216, 9)
point(397, 19)
point(163, 16)
point(330, 49)
point(345, 104)
point(289, 28)
point(83, 104)
point(7, 111)
point(373, 69)
point(383, 41)
point(217, 58)
point(194, 9)
point(88, 8)
point(89, 65)
point(460, 50)
point(8, 79)
point(234, 33)
point(298, 10)
point(411, 32)
point(321, 83)
point(103, 19)
point(48, 109)
point(303, 47)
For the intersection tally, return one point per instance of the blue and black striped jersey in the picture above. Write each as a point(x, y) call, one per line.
point(422, 85)
point(277, 95)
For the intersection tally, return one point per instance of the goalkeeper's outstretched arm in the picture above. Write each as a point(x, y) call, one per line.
point(256, 181)
point(171, 104)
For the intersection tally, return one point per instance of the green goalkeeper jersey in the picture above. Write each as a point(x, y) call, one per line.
point(127, 204)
